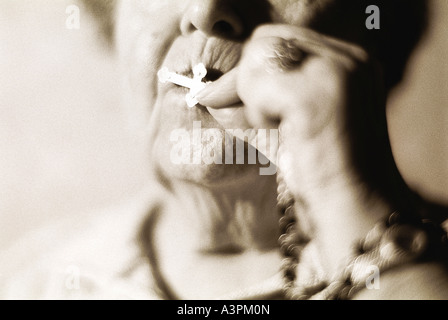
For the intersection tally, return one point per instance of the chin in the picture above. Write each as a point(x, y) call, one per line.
point(213, 175)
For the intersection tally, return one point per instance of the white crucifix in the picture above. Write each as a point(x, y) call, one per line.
point(195, 85)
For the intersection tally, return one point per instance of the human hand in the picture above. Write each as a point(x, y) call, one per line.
point(325, 97)
point(317, 90)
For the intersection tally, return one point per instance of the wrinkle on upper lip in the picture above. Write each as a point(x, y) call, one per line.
point(218, 55)
point(221, 55)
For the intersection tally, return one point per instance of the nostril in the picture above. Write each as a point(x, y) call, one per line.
point(214, 18)
point(223, 27)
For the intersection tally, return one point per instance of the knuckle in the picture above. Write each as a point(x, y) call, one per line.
point(258, 56)
point(253, 54)
point(273, 54)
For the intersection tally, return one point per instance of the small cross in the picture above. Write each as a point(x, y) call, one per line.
point(195, 85)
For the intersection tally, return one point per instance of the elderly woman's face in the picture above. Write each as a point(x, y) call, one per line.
point(179, 34)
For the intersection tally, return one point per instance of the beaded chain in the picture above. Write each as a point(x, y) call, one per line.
point(399, 240)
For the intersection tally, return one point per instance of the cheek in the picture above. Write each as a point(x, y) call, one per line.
point(144, 33)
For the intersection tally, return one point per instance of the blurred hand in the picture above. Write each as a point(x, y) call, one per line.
point(317, 90)
point(325, 97)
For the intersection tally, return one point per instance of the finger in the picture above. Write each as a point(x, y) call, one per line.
point(265, 83)
point(231, 118)
point(313, 41)
point(221, 93)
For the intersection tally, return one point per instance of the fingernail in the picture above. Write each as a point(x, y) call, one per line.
point(220, 93)
point(202, 93)
point(205, 95)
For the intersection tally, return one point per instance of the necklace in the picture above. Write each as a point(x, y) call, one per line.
point(403, 238)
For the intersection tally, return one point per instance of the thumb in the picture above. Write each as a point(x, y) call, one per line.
point(221, 93)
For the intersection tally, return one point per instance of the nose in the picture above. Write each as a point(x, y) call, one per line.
point(214, 18)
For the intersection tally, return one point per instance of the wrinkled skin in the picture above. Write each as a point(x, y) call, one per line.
point(219, 222)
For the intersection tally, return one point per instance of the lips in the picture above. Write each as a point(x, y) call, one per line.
point(213, 75)
point(220, 58)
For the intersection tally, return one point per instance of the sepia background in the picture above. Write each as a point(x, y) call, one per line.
point(68, 147)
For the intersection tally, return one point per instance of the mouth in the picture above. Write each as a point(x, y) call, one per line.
point(230, 117)
point(213, 74)
point(190, 82)
point(219, 58)
point(185, 79)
